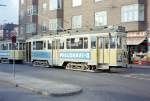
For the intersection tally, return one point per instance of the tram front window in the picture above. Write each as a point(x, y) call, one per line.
point(106, 42)
point(20, 46)
point(119, 42)
point(113, 42)
point(124, 43)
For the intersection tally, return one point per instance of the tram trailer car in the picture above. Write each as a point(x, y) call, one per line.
point(8, 54)
point(79, 51)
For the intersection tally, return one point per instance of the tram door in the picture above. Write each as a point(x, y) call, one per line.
point(55, 52)
point(28, 52)
point(103, 51)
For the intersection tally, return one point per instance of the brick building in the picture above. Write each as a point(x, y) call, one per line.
point(40, 17)
point(51, 16)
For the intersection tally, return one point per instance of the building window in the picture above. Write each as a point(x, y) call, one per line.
point(77, 21)
point(55, 24)
point(55, 4)
point(101, 18)
point(32, 10)
point(43, 27)
point(133, 12)
point(31, 28)
point(98, 0)
point(44, 6)
point(76, 3)
point(22, 1)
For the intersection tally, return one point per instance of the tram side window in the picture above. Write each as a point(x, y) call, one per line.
point(113, 42)
point(85, 43)
point(80, 43)
point(119, 42)
point(34, 46)
point(61, 45)
point(16, 46)
point(39, 45)
point(68, 43)
point(101, 42)
point(124, 45)
point(93, 42)
point(4, 46)
point(44, 44)
point(73, 44)
point(106, 43)
point(20, 46)
point(24, 46)
point(49, 45)
point(10, 46)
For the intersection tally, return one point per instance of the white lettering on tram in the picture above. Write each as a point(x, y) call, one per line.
point(75, 55)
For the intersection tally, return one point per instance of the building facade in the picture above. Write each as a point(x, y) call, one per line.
point(53, 16)
point(28, 18)
point(40, 17)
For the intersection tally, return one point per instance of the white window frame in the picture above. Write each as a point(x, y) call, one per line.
point(98, 0)
point(32, 10)
point(55, 4)
point(30, 28)
point(134, 12)
point(44, 6)
point(22, 2)
point(76, 21)
point(101, 18)
point(76, 3)
point(55, 24)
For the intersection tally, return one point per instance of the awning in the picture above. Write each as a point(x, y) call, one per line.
point(136, 38)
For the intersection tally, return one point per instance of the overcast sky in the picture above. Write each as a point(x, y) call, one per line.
point(9, 13)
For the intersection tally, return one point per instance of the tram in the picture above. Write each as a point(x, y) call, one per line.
point(10, 52)
point(79, 50)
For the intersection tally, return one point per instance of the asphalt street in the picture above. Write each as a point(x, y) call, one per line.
point(124, 85)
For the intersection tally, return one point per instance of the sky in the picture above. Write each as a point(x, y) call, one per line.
point(10, 12)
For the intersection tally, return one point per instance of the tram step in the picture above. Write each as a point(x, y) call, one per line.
point(104, 66)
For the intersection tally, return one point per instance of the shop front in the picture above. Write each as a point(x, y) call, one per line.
point(138, 47)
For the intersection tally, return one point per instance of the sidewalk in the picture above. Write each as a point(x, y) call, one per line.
point(40, 86)
point(139, 65)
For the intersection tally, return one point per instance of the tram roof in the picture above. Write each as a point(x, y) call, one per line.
point(83, 31)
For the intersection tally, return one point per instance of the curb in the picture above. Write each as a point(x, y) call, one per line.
point(139, 66)
point(46, 93)
point(67, 94)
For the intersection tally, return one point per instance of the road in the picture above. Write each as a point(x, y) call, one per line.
point(9, 92)
point(127, 85)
